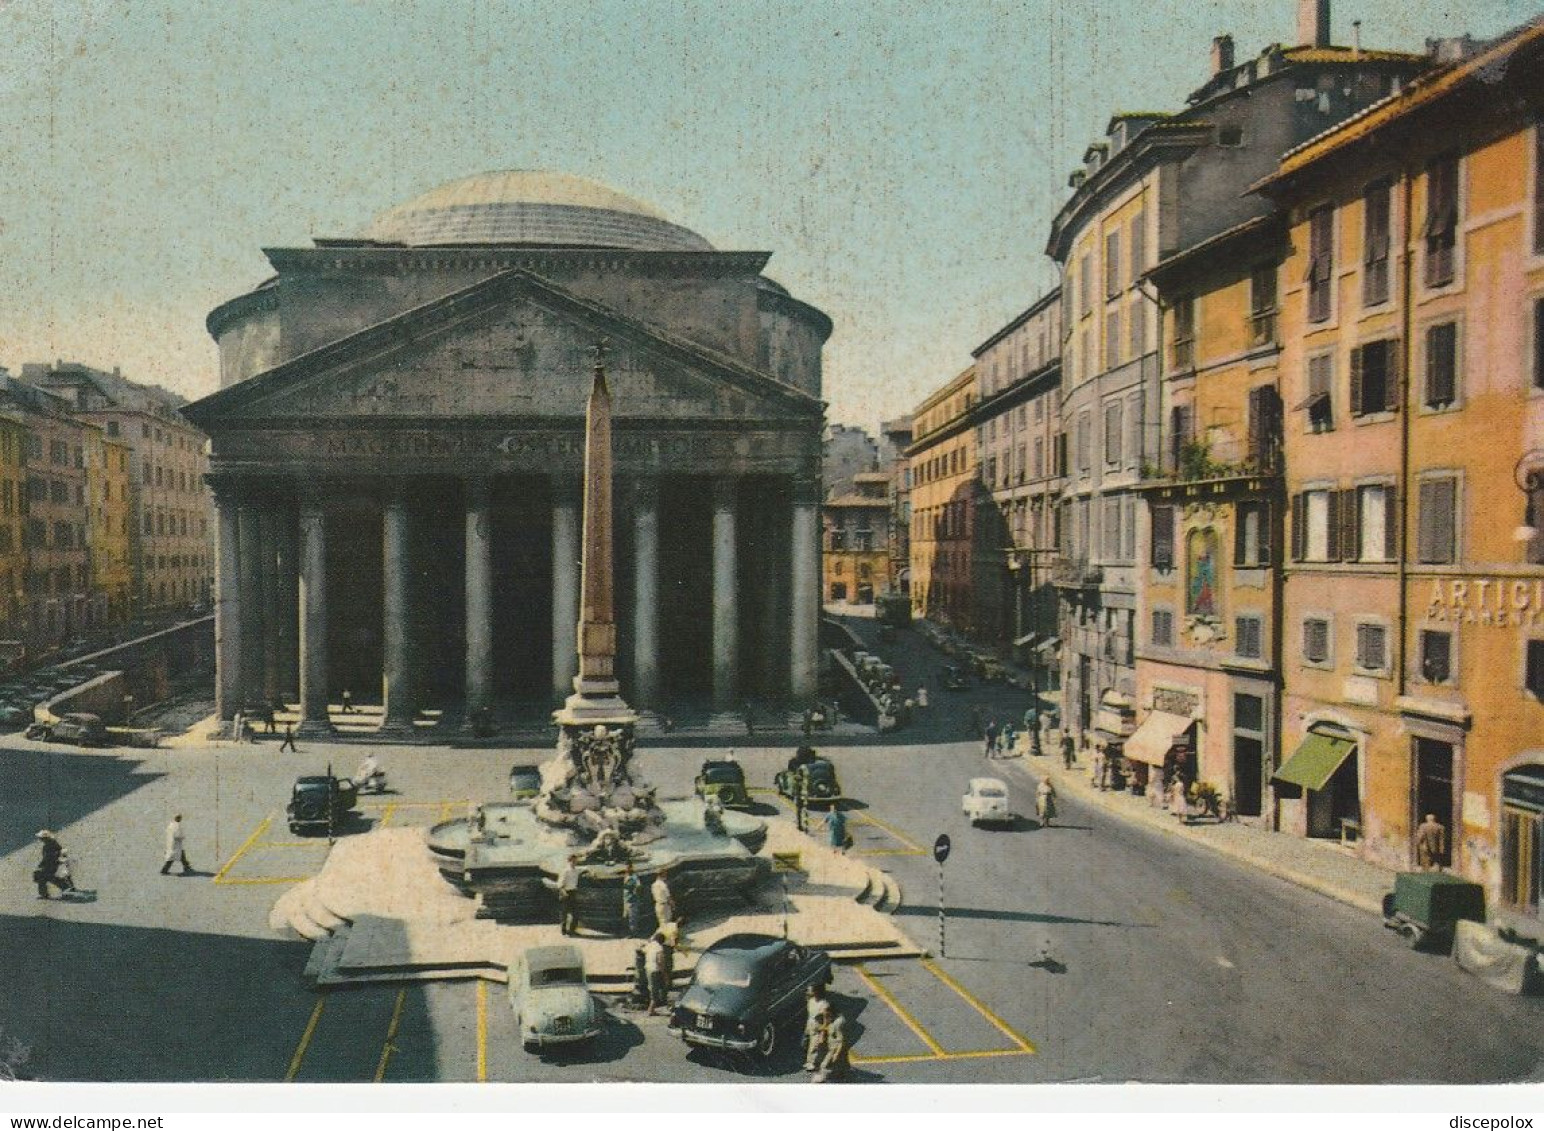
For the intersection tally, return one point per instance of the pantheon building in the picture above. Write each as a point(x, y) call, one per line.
point(397, 451)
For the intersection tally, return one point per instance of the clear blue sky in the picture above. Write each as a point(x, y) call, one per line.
point(900, 159)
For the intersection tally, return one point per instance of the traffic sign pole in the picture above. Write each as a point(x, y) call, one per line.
point(941, 853)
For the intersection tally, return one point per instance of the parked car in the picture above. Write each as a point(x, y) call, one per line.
point(320, 803)
point(955, 679)
point(551, 999)
point(816, 779)
point(524, 782)
point(745, 989)
point(725, 780)
point(1425, 907)
point(986, 802)
point(77, 727)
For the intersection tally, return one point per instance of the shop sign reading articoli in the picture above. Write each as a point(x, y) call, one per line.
point(1497, 601)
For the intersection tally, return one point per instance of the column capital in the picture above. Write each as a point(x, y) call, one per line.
point(646, 491)
point(806, 490)
point(726, 492)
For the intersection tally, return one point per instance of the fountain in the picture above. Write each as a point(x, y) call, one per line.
point(592, 807)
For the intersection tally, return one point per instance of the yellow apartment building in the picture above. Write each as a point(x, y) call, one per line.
point(13, 510)
point(1413, 376)
point(944, 490)
point(1207, 677)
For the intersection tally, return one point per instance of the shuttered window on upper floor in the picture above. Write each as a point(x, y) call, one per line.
point(1375, 243)
point(1320, 276)
point(1441, 219)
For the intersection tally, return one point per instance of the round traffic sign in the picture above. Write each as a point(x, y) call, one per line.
point(941, 848)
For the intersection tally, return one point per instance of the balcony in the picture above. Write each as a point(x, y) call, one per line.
point(1076, 573)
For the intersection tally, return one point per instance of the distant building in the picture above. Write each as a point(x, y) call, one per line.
point(846, 451)
point(171, 544)
point(857, 543)
point(897, 434)
point(1018, 430)
point(13, 509)
point(945, 493)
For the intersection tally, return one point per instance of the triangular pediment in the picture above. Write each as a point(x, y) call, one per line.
point(510, 346)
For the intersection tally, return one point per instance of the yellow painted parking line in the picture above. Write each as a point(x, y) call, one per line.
point(305, 1041)
point(391, 1036)
point(920, 1057)
point(387, 815)
point(239, 881)
point(482, 1031)
point(888, 852)
point(900, 1011)
point(1024, 1043)
point(891, 829)
point(240, 852)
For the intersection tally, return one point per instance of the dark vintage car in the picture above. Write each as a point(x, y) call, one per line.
point(77, 727)
point(725, 780)
point(320, 803)
point(815, 779)
point(745, 990)
point(524, 782)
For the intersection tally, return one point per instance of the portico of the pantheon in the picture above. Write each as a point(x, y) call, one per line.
point(397, 453)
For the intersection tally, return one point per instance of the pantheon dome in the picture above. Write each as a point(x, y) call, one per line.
point(530, 208)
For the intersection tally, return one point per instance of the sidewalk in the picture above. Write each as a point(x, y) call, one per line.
point(1319, 866)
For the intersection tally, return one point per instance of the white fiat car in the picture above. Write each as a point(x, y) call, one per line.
point(986, 802)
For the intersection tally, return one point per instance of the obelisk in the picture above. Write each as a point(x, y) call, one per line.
point(596, 697)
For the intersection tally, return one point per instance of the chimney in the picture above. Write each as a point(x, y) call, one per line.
point(1356, 38)
point(1313, 23)
point(1222, 54)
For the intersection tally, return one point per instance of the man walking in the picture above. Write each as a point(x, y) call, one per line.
point(348, 702)
point(1069, 749)
point(654, 966)
point(632, 902)
point(568, 890)
point(175, 851)
point(289, 739)
point(991, 739)
point(52, 868)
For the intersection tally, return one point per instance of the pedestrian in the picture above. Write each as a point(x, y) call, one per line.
point(1029, 720)
point(1069, 750)
point(800, 805)
point(1179, 804)
point(53, 867)
point(1045, 802)
point(1098, 771)
point(567, 887)
point(289, 739)
point(817, 1013)
point(664, 902)
point(175, 850)
point(808, 723)
point(1430, 843)
point(991, 738)
point(837, 1061)
point(1008, 737)
point(269, 725)
point(654, 966)
point(348, 702)
point(922, 697)
point(750, 723)
point(836, 829)
point(239, 726)
point(632, 902)
point(640, 994)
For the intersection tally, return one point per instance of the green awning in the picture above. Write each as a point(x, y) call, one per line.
point(1315, 760)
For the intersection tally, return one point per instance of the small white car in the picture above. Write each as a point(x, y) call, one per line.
point(551, 1002)
point(986, 802)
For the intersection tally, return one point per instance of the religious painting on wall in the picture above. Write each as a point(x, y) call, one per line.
point(1201, 573)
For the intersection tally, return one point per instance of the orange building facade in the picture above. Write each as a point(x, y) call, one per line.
point(944, 497)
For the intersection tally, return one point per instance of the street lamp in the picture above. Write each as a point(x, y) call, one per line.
point(1015, 567)
point(1529, 477)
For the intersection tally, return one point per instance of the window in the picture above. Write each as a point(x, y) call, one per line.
point(1441, 220)
point(1138, 247)
point(1264, 435)
point(1084, 438)
point(1316, 640)
point(1181, 433)
point(1372, 647)
point(1371, 529)
point(1533, 676)
point(1112, 277)
point(1373, 385)
point(1085, 283)
point(1321, 262)
point(1110, 542)
point(1262, 305)
point(1375, 243)
point(1163, 628)
point(1319, 403)
point(1112, 433)
point(1136, 326)
point(1163, 537)
point(1315, 537)
point(1184, 332)
point(1128, 536)
point(1538, 343)
point(1247, 633)
point(1436, 656)
point(1112, 342)
point(1039, 457)
point(1538, 187)
point(1252, 535)
point(1437, 535)
point(1441, 365)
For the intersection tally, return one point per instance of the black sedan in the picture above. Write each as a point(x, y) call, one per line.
point(745, 989)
